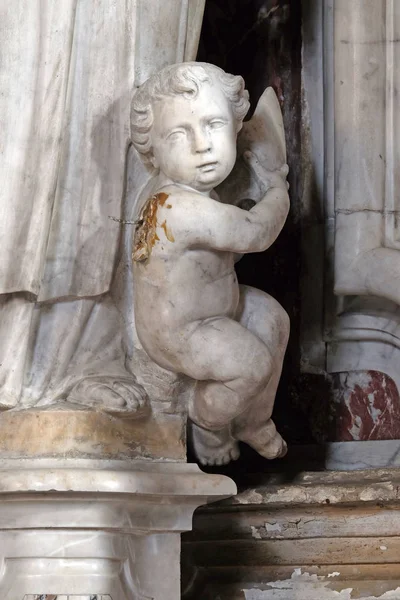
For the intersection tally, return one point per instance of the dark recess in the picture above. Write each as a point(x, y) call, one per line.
point(261, 41)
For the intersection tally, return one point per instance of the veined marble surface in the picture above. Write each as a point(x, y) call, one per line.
point(97, 528)
point(70, 71)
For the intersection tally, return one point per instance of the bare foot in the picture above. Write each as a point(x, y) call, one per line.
point(214, 447)
point(276, 448)
point(119, 396)
point(265, 440)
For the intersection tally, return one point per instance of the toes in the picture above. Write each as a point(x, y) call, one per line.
point(284, 450)
point(124, 390)
point(133, 396)
point(115, 396)
point(96, 393)
point(207, 462)
point(219, 460)
point(277, 448)
point(234, 453)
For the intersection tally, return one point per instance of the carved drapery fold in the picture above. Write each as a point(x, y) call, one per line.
point(69, 71)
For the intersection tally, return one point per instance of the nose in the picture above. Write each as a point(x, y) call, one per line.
point(201, 141)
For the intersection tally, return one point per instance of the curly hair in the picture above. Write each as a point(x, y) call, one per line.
point(181, 79)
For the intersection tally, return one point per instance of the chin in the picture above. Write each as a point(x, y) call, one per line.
point(207, 186)
point(213, 180)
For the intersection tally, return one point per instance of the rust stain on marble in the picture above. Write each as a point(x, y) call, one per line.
point(168, 232)
point(146, 235)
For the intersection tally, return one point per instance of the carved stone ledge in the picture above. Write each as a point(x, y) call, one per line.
point(108, 528)
point(312, 537)
point(69, 430)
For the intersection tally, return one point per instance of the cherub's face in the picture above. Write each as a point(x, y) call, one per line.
point(194, 140)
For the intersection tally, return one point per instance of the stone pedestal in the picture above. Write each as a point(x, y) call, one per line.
point(100, 529)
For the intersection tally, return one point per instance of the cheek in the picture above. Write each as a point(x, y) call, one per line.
point(169, 154)
point(226, 141)
point(175, 150)
point(174, 161)
point(228, 148)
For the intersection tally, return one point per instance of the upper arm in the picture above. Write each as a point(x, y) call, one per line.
point(211, 224)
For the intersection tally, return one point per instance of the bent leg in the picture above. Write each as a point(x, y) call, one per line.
point(231, 366)
point(213, 447)
point(264, 316)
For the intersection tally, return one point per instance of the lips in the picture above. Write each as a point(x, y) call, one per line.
point(209, 166)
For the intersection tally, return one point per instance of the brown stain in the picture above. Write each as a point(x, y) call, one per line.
point(162, 198)
point(85, 433)
point(145, 235)
point(168, 232)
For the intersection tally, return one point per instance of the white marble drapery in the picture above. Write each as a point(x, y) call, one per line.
point(68, 70)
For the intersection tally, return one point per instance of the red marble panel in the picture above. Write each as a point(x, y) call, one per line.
point(366, 407)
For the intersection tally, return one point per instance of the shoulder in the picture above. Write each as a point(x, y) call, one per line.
point(173, 193)
point(184, 202)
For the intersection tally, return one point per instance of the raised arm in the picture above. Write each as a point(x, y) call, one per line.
point(202, 221)
point(271, 211)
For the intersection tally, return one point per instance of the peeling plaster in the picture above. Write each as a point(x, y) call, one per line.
point(255, 533)
point(273, 527)
point(303, 586)
point(274, 530)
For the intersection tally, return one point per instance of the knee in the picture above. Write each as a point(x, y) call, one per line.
point(258, 371)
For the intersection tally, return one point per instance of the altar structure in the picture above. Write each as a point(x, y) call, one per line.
point(351, 292)
point(93, 498)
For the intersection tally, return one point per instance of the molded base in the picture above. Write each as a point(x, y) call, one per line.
point(105, 528)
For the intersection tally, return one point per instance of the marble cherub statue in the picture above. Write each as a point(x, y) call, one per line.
point(192, 317)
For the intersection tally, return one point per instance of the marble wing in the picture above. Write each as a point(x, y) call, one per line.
point(264, 136)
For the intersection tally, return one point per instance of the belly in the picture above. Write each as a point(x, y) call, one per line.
point(165, 321)
point(165, 315)
point(190, 301)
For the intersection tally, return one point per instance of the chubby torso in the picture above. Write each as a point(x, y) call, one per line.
point(177, 283)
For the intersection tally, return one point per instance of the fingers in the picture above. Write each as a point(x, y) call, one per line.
point(267, 178)
point(252, 161)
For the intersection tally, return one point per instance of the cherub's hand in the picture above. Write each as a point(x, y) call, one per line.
point(266, 179)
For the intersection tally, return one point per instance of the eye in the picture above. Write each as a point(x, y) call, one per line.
point(217, 123)
point(175, 135)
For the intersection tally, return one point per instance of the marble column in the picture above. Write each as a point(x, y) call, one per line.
point(352, 80)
